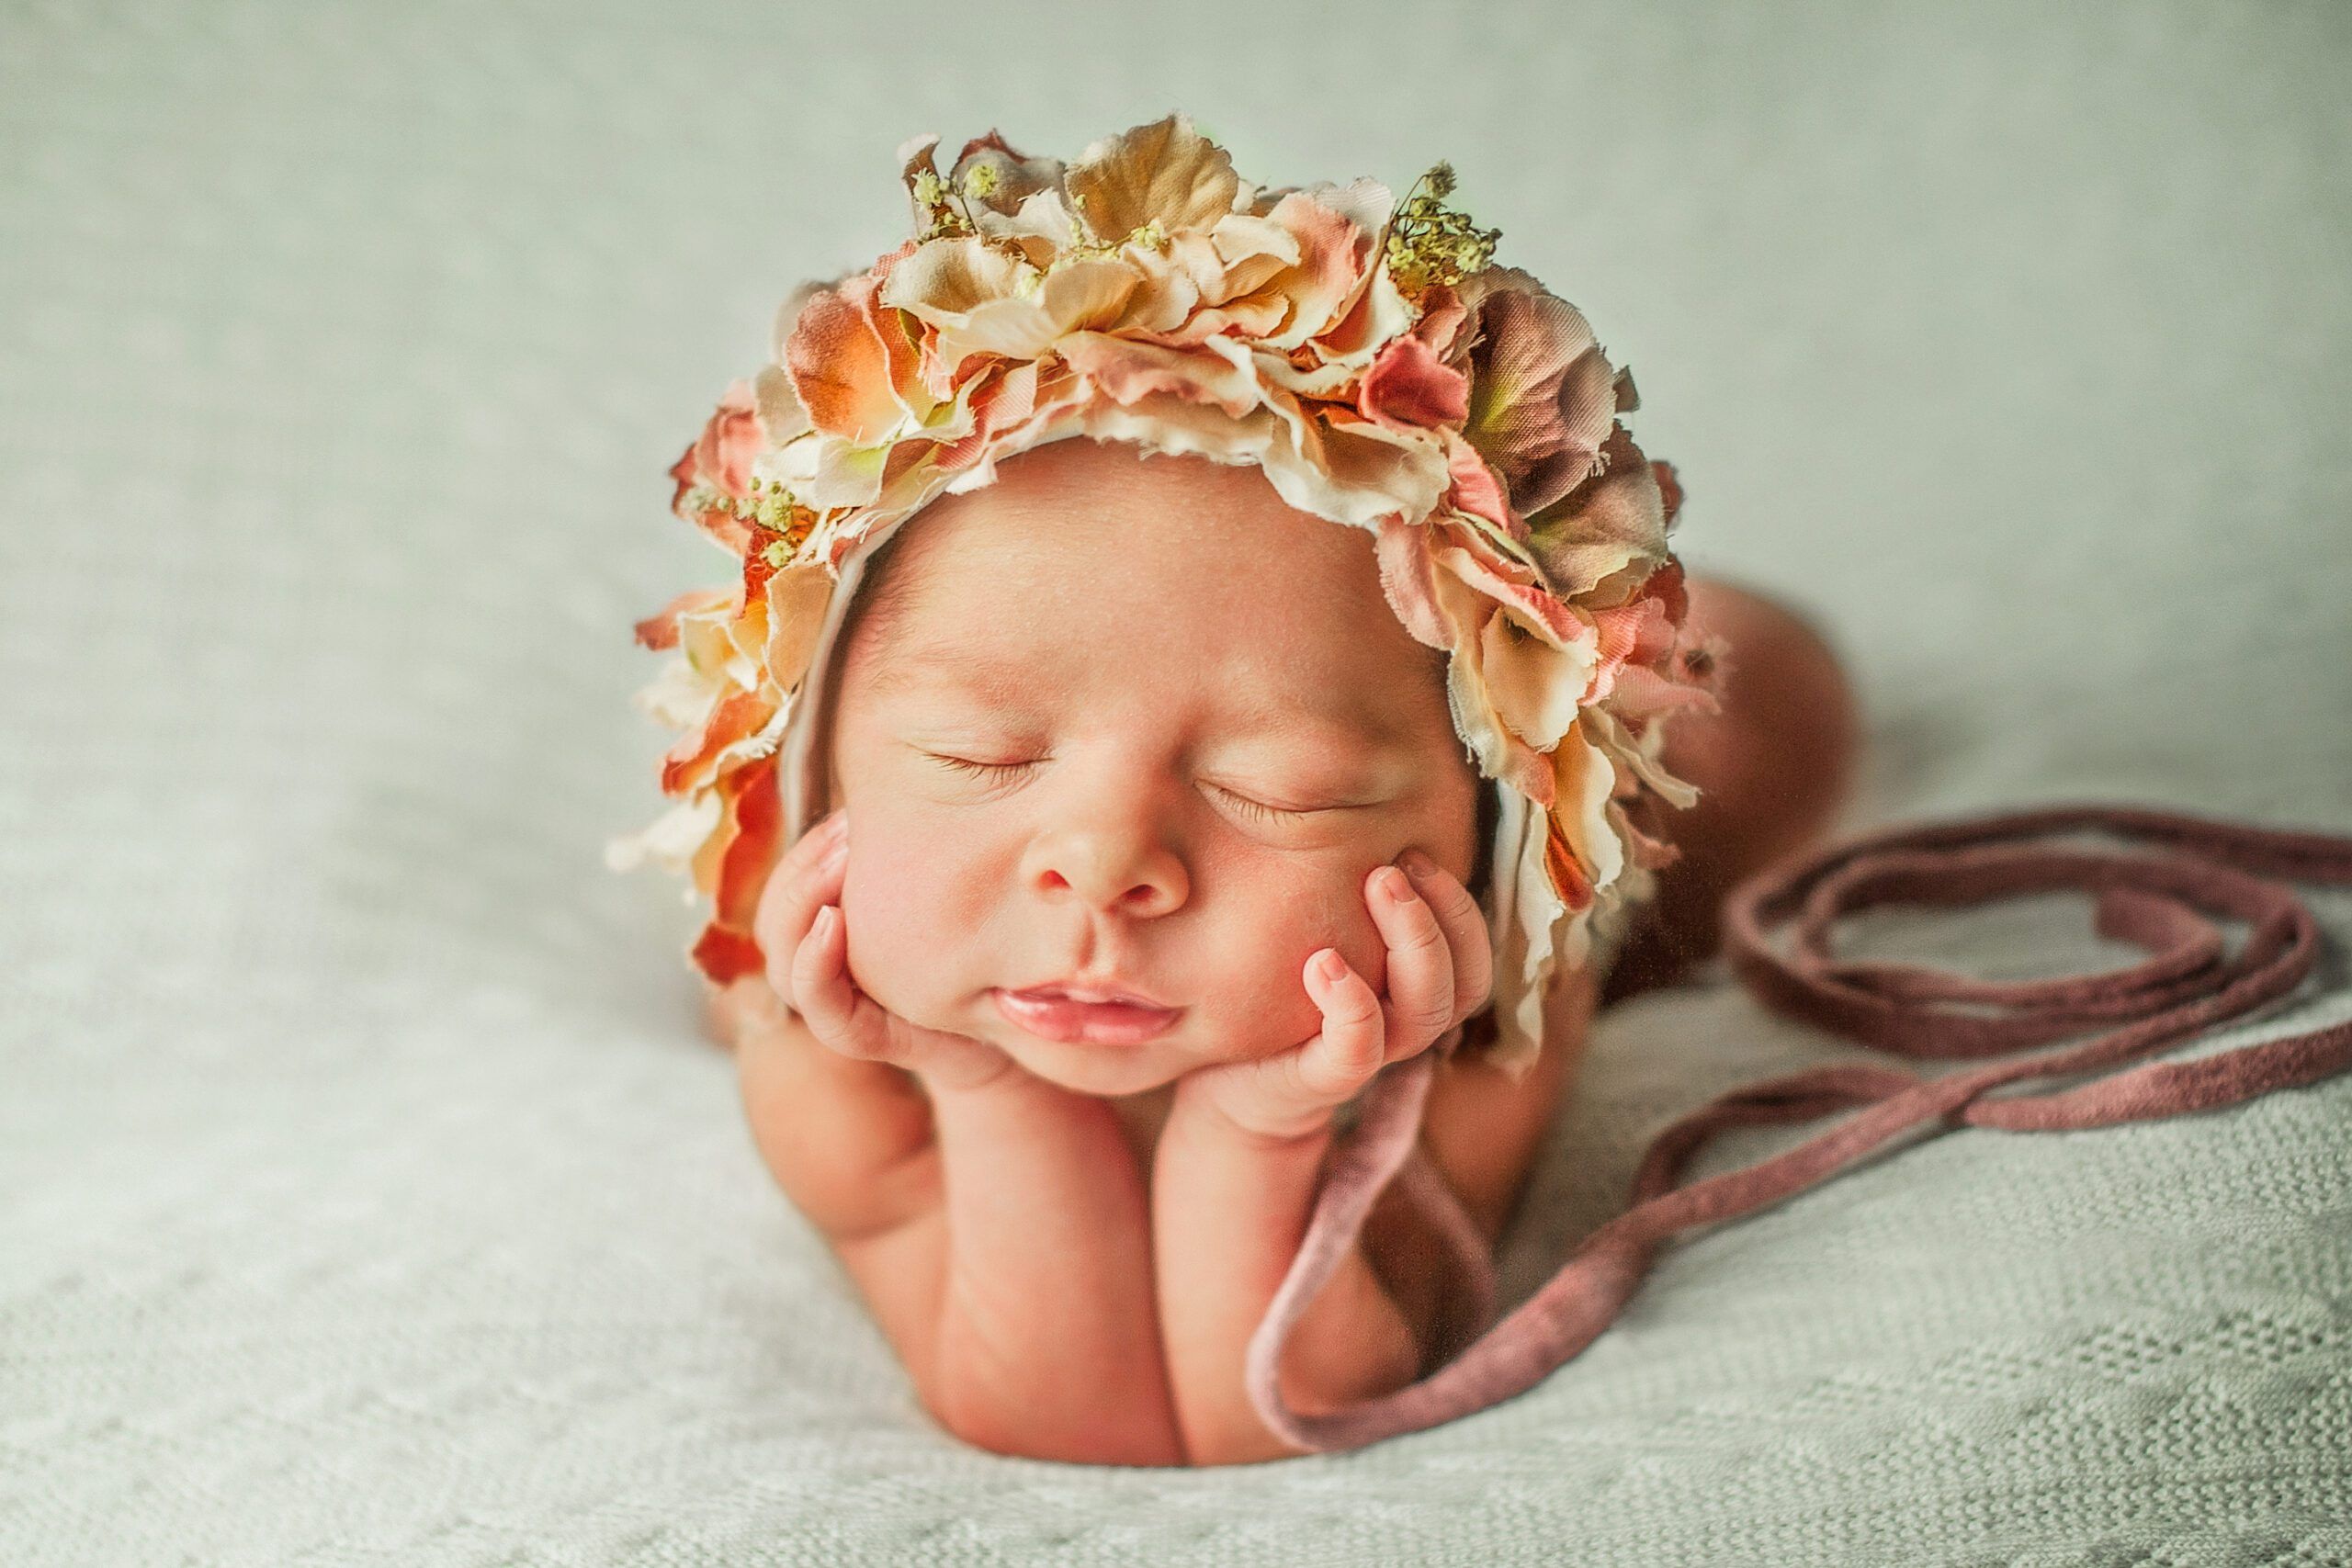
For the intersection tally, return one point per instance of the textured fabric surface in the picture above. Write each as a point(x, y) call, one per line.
point(367, 1193)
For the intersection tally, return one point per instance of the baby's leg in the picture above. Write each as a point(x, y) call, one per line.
point(1772, 770)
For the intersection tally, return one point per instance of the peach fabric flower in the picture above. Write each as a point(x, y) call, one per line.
point(1362, 351)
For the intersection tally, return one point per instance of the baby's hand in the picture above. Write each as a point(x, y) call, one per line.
point(1440, 971)
point(799, 927)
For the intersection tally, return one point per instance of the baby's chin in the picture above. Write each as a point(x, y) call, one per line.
point(1108, 1071)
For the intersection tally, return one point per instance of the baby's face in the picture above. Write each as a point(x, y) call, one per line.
point(1137, 720)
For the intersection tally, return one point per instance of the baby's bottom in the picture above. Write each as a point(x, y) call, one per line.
point(1772, 770)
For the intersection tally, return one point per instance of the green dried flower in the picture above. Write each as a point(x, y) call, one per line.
point(1430, 243)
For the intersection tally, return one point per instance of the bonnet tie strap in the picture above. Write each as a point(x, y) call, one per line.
point(2162, 900)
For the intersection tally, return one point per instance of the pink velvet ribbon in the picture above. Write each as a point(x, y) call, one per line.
point(2162, 899)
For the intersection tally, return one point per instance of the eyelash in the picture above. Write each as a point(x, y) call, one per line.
point(987, 770)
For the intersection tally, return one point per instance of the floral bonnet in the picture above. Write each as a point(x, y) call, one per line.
point(1364, 353)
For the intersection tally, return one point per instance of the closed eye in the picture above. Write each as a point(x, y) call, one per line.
point(1247, 807)
point(1253, 809)
point(983, 770)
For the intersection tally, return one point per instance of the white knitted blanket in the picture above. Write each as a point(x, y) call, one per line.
point(368, 1195)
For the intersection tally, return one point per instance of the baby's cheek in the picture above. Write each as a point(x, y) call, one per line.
point(1270, 958)
point(901, 936)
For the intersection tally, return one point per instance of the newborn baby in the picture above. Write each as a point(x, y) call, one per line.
point(1150, 841)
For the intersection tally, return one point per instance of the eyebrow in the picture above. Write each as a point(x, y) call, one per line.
point(1010, 686)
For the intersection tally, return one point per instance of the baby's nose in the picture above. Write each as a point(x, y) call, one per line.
point(1115, 871)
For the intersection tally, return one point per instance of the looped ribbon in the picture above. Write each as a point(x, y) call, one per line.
point(2162, 901)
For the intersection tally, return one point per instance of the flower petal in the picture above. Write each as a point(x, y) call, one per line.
point(1500, 751)
point(1012, 208)
point(1350, 470)
point(672, 839)
point(1584, 779)
point(848, 367)
point(1529, 935)
point(747, 843)
point(660, 630)
point(945, 279)
point(1603, 526)
point(1334, 255)
point(1543, 396)
point(1380, 316)
point(795, 598)
point(1164, 172)
point(1407, 580)
point(1407, 384)
point(1127, 371)
point(1535, 686)
point(699, 758)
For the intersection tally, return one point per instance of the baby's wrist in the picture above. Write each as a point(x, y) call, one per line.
point(1000, 1083)
point(1197, 1112)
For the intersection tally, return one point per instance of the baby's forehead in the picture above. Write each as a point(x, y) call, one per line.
point(1235, 676)
point(1151, 537)
point(1138, 570)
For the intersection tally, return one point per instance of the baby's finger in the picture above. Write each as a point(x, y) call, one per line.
point(838, 1016)
point(805, 879)
point(1355, 1034)
point(1465, 929)
point(1420, 962)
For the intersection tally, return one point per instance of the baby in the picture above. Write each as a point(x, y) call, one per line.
point(1286, 605)
point(1068, 749)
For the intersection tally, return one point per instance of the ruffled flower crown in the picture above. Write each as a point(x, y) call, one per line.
point(1363, 351)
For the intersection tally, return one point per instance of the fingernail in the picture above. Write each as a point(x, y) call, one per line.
point(1419, 866)
point(1393, 886)
point(838, 823)
point(1330, 965)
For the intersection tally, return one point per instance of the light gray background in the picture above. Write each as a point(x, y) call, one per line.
point(367, 1195)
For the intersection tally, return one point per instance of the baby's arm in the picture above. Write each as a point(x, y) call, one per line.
point(1230, 1208)
point(1048, 1344)
point(852, 1144)
point(995, 1224)
point(1238, 1166)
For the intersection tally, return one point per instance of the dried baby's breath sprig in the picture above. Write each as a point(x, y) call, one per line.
point(783, 517)
point(778, 551)
point(942, 204)
point(771, 509)
point(1430, 243)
